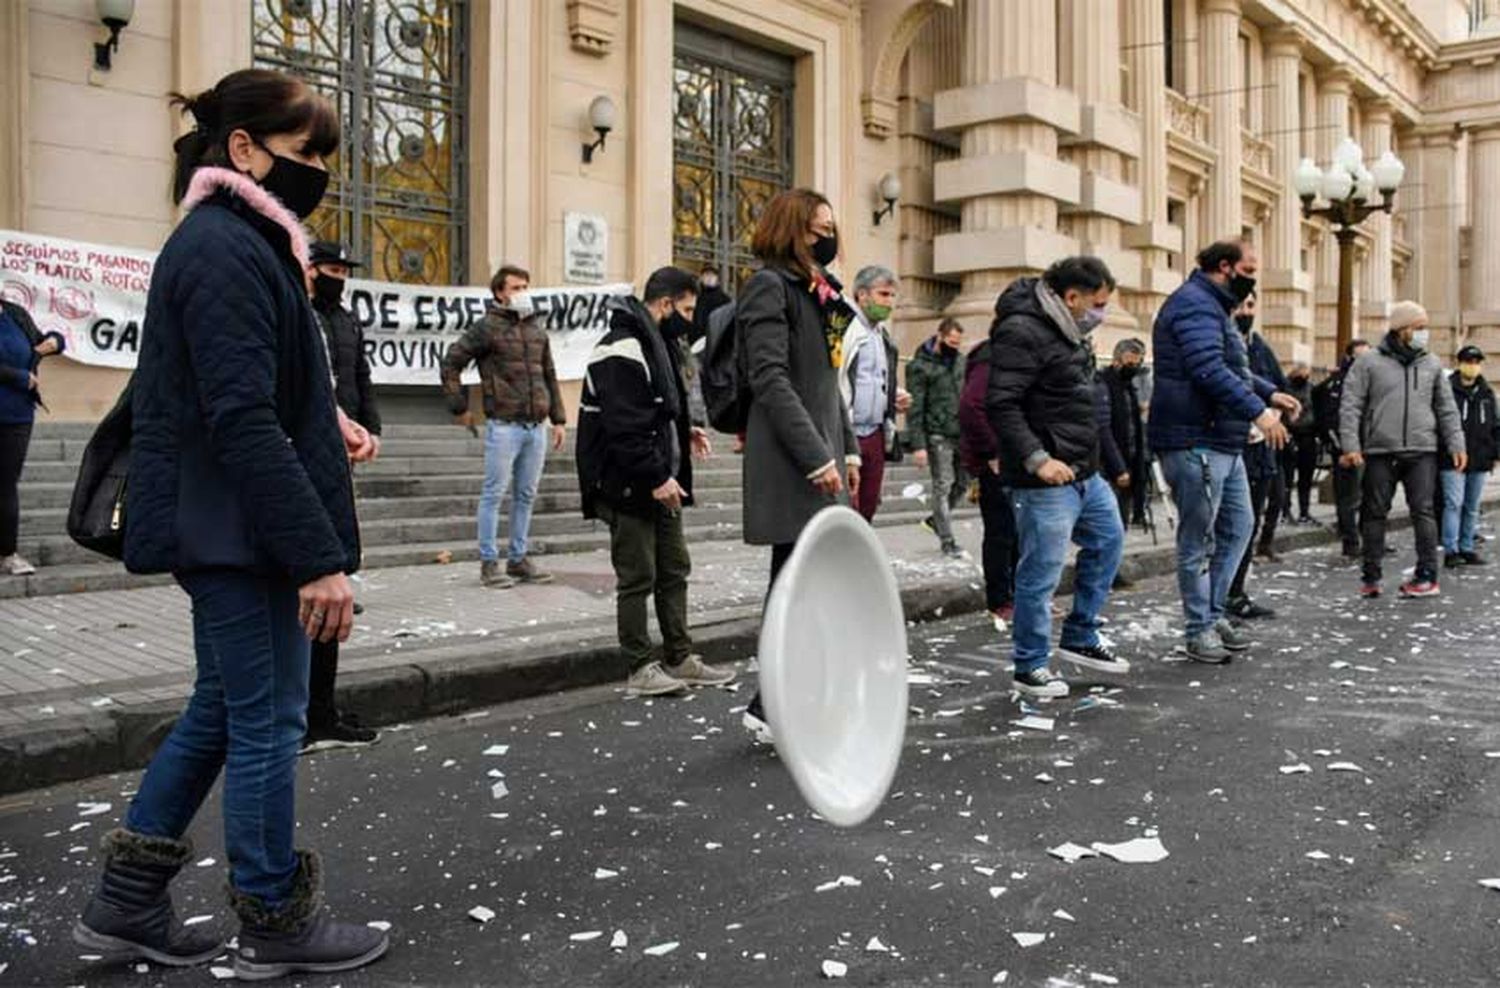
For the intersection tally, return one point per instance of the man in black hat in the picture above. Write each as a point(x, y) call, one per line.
point(327, 727)
point(1463, 489)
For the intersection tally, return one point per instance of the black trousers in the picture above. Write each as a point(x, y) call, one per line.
point(1302, 460)
point(1263, 491)
point(1417, 474)
point(1348, 493)
point(322, 710)
point(1002, 543)
point(780, 553)
point(14, 441)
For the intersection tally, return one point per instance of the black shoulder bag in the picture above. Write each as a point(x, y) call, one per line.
point(96, 514)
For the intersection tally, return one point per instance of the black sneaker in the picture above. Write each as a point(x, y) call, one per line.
point(340, 734)
point(1248, 610)
point(1473, 559)
point(952, 551)
point(1453, 560)
point(927, 523)
point(1123, 582)
point(1093, 657)
point(1041, 682)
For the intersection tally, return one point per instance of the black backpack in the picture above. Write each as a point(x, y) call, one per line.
point(721, 375)
point(96, 515)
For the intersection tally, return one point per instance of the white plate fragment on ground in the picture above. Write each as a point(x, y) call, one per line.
point(1344, 767)
point(875, 946)
point(1296, 769)
point(1141, 850)
point(195, 920)
point(585, 936)
point(1317, 855)
point(834, 969)
point(843, 881)
point(1029, 939)
point(1035, 723)
point(662, 949)
point(1490, 883)
point(619, 941)
point(1064, 915)
point(602, 873)
point(481, 914)
point(382, 925)
point(222, 973)
point(499, 790)
point(497, 749)
point(1071, 852)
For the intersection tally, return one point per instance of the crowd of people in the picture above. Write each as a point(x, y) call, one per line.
point(250, 405)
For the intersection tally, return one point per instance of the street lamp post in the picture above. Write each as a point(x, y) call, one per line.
point(1348, 190)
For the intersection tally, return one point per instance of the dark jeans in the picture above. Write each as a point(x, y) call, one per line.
point(1417, 475)
point(1002, 544)
point(246, 716)
point(871, 473)
point(1264, 494)
point(780, 553)
point(650, 557)
point(14, 441)
point(1301, 458)
point(1348, 493)
point(322, 709)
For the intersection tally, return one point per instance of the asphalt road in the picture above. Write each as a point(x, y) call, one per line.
point(657, 820)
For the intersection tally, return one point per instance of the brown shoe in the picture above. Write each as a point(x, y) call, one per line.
point(491, 577)
point(526, 572)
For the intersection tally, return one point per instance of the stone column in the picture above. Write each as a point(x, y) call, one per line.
point(1146, 54)
point(1284, 310)
point(1482, 325)
point(15, 79)
point(1008, 179)
point(1334, 87)
point(1430, 196)
point(1219, 39)
point(1375, 291)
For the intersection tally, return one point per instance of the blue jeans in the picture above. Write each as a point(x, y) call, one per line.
point(1214, 525)
point(514, 453)
point(247, 715)
point(1047, 519)
point(1462, 493)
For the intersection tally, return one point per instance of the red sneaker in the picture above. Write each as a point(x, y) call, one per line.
point(1369, 591)
point(1419, 588)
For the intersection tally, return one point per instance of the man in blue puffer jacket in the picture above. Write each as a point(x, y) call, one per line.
point(1203, 406)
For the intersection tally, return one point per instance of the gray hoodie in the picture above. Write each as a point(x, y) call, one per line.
point(1397, 400)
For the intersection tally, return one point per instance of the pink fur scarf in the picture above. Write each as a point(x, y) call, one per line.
point(209, 179)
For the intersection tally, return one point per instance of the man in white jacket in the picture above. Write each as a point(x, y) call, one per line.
point(867, 381)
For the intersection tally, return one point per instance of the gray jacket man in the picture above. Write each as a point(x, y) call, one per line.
point(1396, 410)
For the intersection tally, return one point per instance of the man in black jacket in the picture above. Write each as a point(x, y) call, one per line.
point(636, 444)
point(1123, 444)
point(1463, 490)
point(327, 726)
point(1348, 481)
point(1043, 408)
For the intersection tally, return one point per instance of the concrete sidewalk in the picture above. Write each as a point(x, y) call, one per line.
point(90, 682)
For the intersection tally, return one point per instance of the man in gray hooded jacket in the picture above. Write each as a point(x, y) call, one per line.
point(1396, 404)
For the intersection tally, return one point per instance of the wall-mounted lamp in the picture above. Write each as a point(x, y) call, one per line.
point(602, 119)
point(116, 16)
point(890, 191)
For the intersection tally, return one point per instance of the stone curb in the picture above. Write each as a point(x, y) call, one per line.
point(443, 681)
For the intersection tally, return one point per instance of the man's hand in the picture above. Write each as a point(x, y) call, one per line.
point(466, 420)
point(47, 347)
point(670, 494)
point(853, 475)
point(1270, 425)
point(994, 466)
point(375, 446)
point(1352, 460)
point(1460, 462)
point(1287, 404)
point(1123, 481)
point(325, 608)
point(559, 436)
point(356, 439)
point(920, 458)
point(703, 448)
point(903, 400)
point(1055, 473)
point(828, 481)
point(33, 383)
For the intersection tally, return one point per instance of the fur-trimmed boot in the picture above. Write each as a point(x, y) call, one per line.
point(300, 936)
point(131, 915)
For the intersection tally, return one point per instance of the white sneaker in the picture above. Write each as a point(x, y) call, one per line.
point(16, 565)
point(653, 680)
point(695, 672)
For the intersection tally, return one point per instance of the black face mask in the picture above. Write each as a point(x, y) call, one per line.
point(674, 325)
point(299, 187)
point(825, 250)
point(1128, 372)
point(328, 289)
point(1244, 323)
point(1240, 287)
point(1299, 380)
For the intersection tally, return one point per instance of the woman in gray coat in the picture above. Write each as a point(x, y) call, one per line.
point(800, 450)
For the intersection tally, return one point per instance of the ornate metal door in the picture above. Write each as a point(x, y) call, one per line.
point(732, 143)
point(399, 72)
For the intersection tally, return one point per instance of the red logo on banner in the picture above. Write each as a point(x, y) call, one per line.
point(72, 303)
point(18, 293)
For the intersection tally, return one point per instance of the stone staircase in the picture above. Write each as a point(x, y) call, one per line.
point(416, 505)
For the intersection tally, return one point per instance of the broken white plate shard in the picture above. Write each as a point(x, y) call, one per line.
point(602, 873)
point(843, 881)
point(1000, 978)
point(195, 920)
point(497, 749)
point(1064, 914)
point(222, 973)
point(1317, 855)
point(1296, 769)
point(1035, 723)
point(1029, 939)
point(1103, 979)
point(94, 809)
point(1141, 850)
point(1344, 767)
point(1252, 938)
point(662, 949)
point(1071, 852)
point(481, 914)
point(619, 941)
point(1042, 777)
point(379, 924)
point(835, 969)
point(586, 936)
point(877, 947)
point(996, 891)
point(1490, 883)
point(1339, 664)
point(912, 491)
point(207, 863)
point(499, 790)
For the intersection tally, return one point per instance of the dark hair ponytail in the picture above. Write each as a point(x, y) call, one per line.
point(258, 101)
